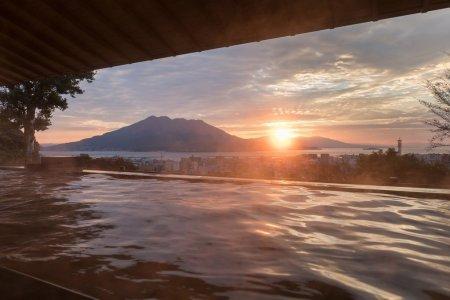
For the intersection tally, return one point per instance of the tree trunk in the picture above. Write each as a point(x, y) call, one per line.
point(31, 155)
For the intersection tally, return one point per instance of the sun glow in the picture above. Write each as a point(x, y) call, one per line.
point(282, 137)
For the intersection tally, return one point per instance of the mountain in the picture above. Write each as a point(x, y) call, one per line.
point(181, 135)
point(160, 134)
point(45, 145)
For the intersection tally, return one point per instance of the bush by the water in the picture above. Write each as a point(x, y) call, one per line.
point(116, 163)
point(388, 167)
point(11, 144)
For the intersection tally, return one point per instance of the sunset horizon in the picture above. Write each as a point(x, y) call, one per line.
point(359, 84)
point(275, 134)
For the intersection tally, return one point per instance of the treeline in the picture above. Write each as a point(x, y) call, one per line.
point(381, 168)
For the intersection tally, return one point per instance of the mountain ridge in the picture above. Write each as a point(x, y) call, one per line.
point(183, 135)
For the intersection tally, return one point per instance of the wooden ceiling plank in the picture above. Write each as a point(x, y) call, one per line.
point(145, 25)
point(375, 10)
point(51, 49)
point(17, 46)
point(331, 9)
point(90, 5)
point(14, 75)
point(5, 80)
point(70, 46)
point(85, 30)
point(35, 67)
point(20, 70)
point(425, 5)
point(173, 18)
point(210, 18)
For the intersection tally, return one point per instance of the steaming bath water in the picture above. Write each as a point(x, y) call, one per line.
point(136, 238)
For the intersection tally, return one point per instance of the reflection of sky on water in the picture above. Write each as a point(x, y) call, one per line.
point(146, 238)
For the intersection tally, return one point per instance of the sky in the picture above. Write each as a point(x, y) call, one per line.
point(358, 83)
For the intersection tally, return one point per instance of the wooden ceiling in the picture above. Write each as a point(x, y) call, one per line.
point(40, 38)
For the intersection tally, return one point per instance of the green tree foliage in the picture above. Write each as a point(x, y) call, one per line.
point(390, 168)
point(29, 105)
point(440, 107)
point(11, 143)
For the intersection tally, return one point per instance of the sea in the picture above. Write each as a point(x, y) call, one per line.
point(281, 153)
point(119, 238)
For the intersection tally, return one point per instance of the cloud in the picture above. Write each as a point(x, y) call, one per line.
point(102, 125)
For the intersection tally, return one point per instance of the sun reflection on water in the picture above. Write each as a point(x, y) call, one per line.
point(176, 239)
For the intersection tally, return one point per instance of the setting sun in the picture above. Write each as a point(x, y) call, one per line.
point(282, 137)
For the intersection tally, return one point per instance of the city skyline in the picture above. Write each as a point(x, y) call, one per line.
point(352, 83)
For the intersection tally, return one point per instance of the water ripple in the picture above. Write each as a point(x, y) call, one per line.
point(123, 238)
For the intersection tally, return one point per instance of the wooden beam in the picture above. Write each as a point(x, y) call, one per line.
point(20, 70)
point(112, 27)
point(60, 35)
point(11, 74)
point(32, 54)
point(165, 10)
point(21, 35)
point(375, 12)
point(145, 25)
point(62, 11)
point(5, 80)
point(425, 5)
point(30, 64)
point(331, 10)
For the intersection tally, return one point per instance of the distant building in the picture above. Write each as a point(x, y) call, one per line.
point(309, 156)
point(325, 157)
point(399, 146)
